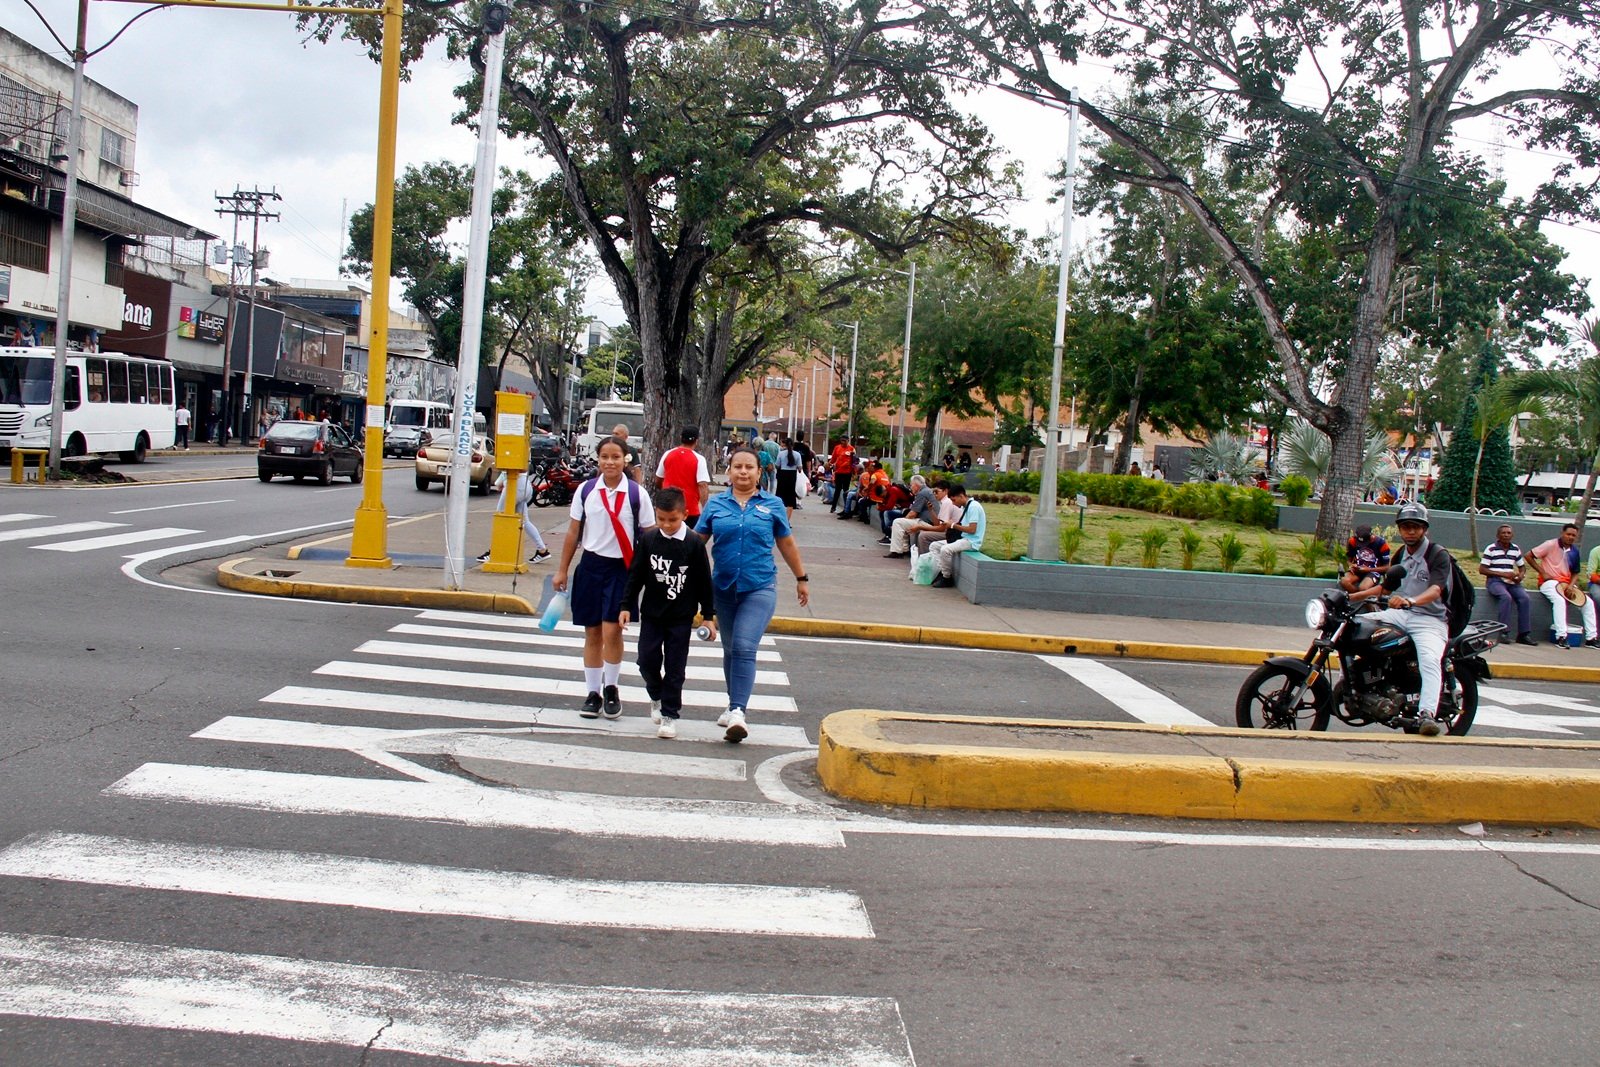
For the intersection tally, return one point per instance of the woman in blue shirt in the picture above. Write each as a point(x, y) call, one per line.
point(744, 525)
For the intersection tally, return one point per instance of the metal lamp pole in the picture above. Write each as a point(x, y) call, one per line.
point(69, 225)
point(1044, 530)
point(905, 374)
point(455, 528)
point(850, 425)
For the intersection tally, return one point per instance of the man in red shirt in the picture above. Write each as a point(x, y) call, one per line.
point(842, 462)
point(685, 469)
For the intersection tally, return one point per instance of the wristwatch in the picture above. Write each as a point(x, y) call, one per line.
point(802, 578)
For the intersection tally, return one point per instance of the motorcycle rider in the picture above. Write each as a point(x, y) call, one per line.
point(1417, 606)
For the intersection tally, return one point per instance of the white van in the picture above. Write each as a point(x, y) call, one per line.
point(408, 419)
point(599, 420)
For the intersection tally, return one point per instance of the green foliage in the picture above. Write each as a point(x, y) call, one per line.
point(1308, 453)
point(1266, 555)
point(1296, 490)
point(1189, 544)
point(1151, 541)
point(1071, 543)
point(1311, 553)
point(1230, 550)
point(1114, 541)
point(1477, 470)
point(1008, 544)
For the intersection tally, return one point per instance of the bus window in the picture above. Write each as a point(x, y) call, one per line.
point(166, 385)
point(70, 396)
point(136, 383)
point(117, 374)
point(96, 369)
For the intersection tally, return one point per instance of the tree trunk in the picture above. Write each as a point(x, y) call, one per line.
point(1130, 424)
point(1588, 494)
point(1472, 497)
point(1346, 446)
point(930, 438)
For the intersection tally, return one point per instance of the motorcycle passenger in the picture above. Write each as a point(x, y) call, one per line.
point(1368, 558)
point(1417, 606)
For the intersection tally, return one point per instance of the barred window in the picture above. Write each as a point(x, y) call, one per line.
point(114, 148)
point(24, 238)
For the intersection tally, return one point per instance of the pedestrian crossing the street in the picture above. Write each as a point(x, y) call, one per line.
point(440, 693)
point(43, 533)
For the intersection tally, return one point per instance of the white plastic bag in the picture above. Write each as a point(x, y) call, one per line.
point(925, 569)
point(911, 574)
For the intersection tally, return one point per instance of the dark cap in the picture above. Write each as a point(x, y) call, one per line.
point(690, 435)
point(1363, 532)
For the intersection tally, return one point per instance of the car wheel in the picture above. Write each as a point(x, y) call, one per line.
point(358, 472)
point(422, 483)
point(325, 475)
point(264, 475)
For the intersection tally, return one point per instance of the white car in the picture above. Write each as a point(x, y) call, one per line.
point(435, 456)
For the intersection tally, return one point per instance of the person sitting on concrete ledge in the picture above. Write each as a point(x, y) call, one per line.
point(920, 514)
point(943, 515)
point(964, 535)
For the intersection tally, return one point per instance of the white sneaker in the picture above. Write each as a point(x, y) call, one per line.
point(725, 717)
point(668, 729)
point(655, 712)
point(736, 729)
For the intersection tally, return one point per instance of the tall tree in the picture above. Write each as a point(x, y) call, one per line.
point(1477, 470)
point(687, 132)
point(1352, 108)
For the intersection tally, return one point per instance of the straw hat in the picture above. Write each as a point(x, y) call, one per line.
point(1575, 596)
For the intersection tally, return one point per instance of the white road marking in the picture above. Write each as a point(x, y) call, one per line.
point(463, 803)
point(132, 537)
point(22, 517)
point(697, 648)
point(169, 507)
point(429, 1013)
point(501, 657)
point(1521, 697)
point(555, 720)
point(53, 531)
point(1506, 719)
point(294, 733)
point(544, 687)
point(1129, 694)
point(521, 622)
point(420, 889)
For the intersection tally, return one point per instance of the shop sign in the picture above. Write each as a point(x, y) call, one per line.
point(198, 325)
point(308, 374)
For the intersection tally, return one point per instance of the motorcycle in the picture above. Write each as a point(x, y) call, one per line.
point(1377, 673)
point(554, 484)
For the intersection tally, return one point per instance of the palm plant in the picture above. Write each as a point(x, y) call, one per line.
point(1114, 539)
point(1151, 542)
point(1230, 550)
point(1527, 390)
point(1230, 457)
point(1189, 542)
point(1496, 407)
point(1306, 451)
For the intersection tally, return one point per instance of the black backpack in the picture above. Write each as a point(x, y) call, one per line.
point(1460, 598)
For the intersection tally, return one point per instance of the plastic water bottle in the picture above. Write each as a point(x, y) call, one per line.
point(553, 612)
point(703, 632)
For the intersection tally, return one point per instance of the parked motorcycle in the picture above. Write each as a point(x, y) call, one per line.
point(1377, 678)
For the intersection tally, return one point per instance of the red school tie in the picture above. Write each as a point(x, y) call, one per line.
point(616, 524)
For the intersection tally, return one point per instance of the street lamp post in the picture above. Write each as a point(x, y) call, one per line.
point(1044, 531)
point(905, 375)
point(69, 218)
point(850, 414)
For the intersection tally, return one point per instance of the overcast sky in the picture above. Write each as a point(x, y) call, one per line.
point(236, 98)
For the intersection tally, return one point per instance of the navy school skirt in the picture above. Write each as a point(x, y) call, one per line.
point(597, 589)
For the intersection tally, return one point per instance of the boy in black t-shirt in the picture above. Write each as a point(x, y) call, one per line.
point(673, 572)
point(1368, 557)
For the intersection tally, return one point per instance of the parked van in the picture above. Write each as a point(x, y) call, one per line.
point(408, 419)
point(599, 420)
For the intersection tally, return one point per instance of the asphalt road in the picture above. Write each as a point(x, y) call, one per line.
point(237, 830)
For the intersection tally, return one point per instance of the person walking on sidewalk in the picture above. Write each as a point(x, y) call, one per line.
point(180, 420)
point(524, 491)
point(744, 525)
point(685, 469)
point(607, 515)
point(673, 573)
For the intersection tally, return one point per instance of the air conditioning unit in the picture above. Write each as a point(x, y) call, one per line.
point(128, 178)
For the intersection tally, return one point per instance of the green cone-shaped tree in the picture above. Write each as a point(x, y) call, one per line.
point(1477, 468)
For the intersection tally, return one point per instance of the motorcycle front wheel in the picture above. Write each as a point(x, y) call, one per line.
point(1464, 689)
point(1265, 702)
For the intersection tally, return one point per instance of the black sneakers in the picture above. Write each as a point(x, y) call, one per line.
point(591, 707)
point(1526, 639)
point(613, 702)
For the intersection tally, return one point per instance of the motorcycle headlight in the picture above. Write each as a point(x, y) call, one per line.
point(1316, 613)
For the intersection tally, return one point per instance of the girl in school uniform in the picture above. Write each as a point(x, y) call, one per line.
point(606, 517)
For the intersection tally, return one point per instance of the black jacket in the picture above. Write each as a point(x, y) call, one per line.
point(674, 577)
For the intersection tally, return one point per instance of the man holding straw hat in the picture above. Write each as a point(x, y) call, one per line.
point(1556, 561)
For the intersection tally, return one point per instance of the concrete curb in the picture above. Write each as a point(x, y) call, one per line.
point(233, 574)
point(857, 761)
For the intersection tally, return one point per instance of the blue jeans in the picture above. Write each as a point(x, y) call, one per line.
point(742, 619)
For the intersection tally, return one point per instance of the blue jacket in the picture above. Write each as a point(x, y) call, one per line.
point(742, 540)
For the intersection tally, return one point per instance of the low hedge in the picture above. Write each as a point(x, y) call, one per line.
point(1247, 506)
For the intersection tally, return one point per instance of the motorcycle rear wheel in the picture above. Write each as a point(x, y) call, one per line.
point(1466, 703)
point(543, 498)
point(1263, 698)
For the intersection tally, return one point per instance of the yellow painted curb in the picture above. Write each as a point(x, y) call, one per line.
point(857, 761)
point(231, 575)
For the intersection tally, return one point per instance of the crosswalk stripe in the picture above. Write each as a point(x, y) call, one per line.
point(54, 531)
point(519, 622)
point(700, 649)
point(464, 803)
point(430, 1013)
point(1131, 695)
point(294, 733)
point(516, 658)
point(421, 889)
point(1506, 719)
point(22, 517)
point(1519, 698)
point(132, 537)
point(544, 687)
point(564, 720)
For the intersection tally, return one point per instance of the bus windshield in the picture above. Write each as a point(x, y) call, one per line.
point(407, 416)
point(26, 380)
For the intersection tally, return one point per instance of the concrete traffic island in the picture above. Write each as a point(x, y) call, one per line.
point(1197, 772)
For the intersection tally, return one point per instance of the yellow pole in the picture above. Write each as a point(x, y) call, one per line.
point(369, 542)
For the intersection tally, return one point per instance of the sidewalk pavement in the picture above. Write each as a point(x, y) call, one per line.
point(1038, 765)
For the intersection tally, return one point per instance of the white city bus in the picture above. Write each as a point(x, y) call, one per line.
point(112, 403)
point(599, 420)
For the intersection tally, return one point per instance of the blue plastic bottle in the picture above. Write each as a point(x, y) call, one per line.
point(554, 610)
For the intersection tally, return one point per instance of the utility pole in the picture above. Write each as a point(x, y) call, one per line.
point(243, 204)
